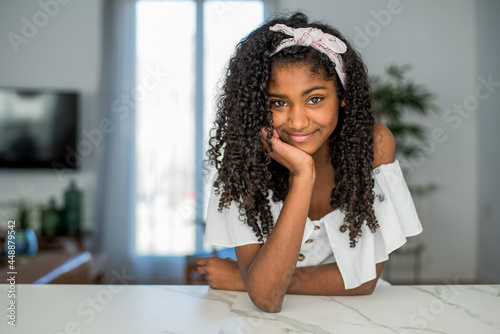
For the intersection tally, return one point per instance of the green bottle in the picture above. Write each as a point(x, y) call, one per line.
point(72, 209)
point(50, 220)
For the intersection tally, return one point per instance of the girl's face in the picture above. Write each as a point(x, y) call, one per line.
point(304, 106)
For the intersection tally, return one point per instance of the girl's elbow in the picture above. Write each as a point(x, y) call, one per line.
point(369, 287)
point(369, 291)
point(364, 289)
point(267, 302)
point(268, 306)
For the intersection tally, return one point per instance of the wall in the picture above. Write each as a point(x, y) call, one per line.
point(60, 48)
point(488, 138)
point(438, 39)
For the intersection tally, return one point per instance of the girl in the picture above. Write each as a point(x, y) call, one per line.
point(308, 190)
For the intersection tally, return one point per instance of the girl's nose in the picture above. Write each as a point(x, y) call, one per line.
point(298, 119)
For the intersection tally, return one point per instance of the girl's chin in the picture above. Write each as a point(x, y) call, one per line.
point(303, 148)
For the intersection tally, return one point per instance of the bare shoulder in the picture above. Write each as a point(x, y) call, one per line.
point(384, 145)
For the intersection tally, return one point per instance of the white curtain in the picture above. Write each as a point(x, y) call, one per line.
point(116, 183)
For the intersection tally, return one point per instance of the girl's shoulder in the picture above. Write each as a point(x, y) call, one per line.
point(384, 145)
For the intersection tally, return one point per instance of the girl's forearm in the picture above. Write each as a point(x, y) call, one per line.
point(269, 274)
point(326, 280)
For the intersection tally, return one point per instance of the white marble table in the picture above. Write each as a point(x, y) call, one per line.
point(95, 309)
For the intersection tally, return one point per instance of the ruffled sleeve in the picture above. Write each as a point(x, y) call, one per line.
point(397, 217)
point(225, 228)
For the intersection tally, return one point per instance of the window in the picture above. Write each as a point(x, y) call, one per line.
point(182, 50)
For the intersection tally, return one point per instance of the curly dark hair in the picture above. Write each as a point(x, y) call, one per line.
point(246, 174)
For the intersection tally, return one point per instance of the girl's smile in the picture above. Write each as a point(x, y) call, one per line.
point(300, 137)
point(304, 107)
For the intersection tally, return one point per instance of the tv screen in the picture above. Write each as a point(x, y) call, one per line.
point(36, 127)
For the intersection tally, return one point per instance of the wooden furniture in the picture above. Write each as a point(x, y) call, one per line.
point(136, 309)
point(62, 242)
point(191, 275)
point(59, 242)
point(58, 268)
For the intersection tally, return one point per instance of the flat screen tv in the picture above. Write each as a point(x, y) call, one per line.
point(37, 127)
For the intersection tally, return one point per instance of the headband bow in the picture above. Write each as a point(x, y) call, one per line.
point(317, 39)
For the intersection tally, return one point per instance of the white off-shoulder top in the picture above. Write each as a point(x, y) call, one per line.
point(323, 242)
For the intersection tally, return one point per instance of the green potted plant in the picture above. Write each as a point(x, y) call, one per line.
point(393, 97)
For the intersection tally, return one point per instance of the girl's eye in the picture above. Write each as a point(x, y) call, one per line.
point(315, 100)
point(278, 103)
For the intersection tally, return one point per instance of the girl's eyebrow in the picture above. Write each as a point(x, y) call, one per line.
point(307, 91)
point(280, 96)
point(312, 89)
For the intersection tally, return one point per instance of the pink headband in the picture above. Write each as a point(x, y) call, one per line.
point(317, 39)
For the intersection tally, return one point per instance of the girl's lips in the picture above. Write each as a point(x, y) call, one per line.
point(300, 137)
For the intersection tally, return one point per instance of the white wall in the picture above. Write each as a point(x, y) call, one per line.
point(438, 39)
point(61, 49)
point(488, 57)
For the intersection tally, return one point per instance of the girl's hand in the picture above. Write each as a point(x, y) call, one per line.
point(221, 273)
point(294, 159)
